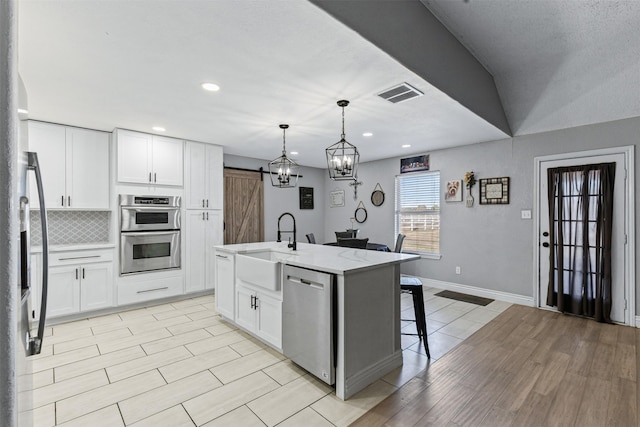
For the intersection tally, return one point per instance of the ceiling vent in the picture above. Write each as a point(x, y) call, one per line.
point(402, 92)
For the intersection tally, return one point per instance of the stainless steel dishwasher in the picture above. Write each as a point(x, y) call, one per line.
point(308, 322)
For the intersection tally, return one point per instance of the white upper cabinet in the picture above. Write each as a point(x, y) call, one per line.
point(167, 161)
point(204, 166)
point(87, 169)
point(134, 159)
point(149, 159)
point(75, 166)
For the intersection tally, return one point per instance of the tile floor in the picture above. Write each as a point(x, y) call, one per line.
point(179, 364)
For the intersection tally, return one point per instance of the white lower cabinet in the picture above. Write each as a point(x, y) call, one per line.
point(225, 280)
point(80, 281)
point(260, 314)
point(139, 288)
point(204, 230)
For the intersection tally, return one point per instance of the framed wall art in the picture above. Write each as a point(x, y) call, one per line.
point(414, 164)
point(453, 191)
point(336, 199)
point(494, 191)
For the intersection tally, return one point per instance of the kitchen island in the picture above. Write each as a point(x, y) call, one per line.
point(366, 309)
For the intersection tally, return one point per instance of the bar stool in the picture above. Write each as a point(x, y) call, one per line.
point(413, 285)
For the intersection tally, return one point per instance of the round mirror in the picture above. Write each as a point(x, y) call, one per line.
point(377, 197)
point(360, 215)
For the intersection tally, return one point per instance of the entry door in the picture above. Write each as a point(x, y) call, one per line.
point(619, 288)
point(243, 207)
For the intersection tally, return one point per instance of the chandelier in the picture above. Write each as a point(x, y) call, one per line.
point(283, 171)
point(342, 157)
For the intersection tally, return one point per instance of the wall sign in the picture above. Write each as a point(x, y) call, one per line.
point(306, 197)
point(336, 198)
point(494, 191)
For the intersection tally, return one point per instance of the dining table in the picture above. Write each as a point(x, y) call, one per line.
point(370, 246)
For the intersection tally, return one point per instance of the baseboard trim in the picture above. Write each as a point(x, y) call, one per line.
point(480, 292)
point(371, 373)
point(637, 325)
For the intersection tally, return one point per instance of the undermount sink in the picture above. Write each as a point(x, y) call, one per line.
point(268, 255)
point(261, 268)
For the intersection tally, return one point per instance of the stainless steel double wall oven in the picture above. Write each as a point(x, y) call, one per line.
point(149, 233)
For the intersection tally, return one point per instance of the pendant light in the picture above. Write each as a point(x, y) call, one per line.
point(342, 157)
point(283, 171)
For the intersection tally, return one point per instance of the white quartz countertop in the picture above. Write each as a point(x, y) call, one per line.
point(331, 259)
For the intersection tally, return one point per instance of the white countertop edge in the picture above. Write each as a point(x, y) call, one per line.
point(74, 247)
point(331, 259)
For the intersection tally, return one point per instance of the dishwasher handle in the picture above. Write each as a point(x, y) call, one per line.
point(301, 281)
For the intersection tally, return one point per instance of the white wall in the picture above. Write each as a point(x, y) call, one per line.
point(280, 200)
point(491, 244)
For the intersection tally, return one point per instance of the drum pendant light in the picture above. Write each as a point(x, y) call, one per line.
point(342, 157)
point(283, 171)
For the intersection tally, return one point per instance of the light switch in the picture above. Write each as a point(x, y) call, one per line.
point(525, 214)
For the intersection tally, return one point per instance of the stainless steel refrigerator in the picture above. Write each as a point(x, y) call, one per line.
point(30, 330)
point(20, 334)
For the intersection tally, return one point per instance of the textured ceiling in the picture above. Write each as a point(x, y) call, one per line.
point(138, 64)
point(556, 63)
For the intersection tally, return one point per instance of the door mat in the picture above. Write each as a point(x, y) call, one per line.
point(464, 297)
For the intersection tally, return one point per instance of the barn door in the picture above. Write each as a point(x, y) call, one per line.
point(243, 207)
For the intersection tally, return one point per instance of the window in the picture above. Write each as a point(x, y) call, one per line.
point(418, 212)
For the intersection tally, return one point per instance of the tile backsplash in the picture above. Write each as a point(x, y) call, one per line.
point(72, 227)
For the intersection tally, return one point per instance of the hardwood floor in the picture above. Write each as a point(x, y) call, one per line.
point(527, 367)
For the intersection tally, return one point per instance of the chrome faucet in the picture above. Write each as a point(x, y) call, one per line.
point(293, 245)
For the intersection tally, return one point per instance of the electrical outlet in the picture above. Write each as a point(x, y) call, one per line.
point(525, 214)
point(457, 269)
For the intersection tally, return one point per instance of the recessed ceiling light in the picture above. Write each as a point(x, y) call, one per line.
point(295, 153)
point(367, 134)
point(212, 87)
point(158, 128)
point(406, 145)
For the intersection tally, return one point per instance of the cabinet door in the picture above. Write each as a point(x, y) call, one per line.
point(96, 286)
point(215, 236)
point(214, 196)
point(134, 157)
point(196, 250)
point(225, 284)
point(270, 320)
point(245, 312)
point(196, 172)
point(63, 295)
point(167, 161)
point(87, 169)
point(49, 142)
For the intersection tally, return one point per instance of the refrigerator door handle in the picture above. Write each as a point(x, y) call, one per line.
point(35, 343)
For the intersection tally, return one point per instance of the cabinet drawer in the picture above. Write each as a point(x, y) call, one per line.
point(130, 292)
point(80, 257)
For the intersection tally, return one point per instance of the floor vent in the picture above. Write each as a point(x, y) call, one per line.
point(402, 92)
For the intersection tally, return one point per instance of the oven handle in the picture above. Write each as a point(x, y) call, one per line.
point(149, 233)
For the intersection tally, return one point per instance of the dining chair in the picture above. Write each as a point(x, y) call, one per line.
point(344, 235)
point(311, 238)
point(399, 242)
point(353, 243)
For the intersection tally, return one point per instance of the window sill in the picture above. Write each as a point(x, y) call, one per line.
point(423, 255)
